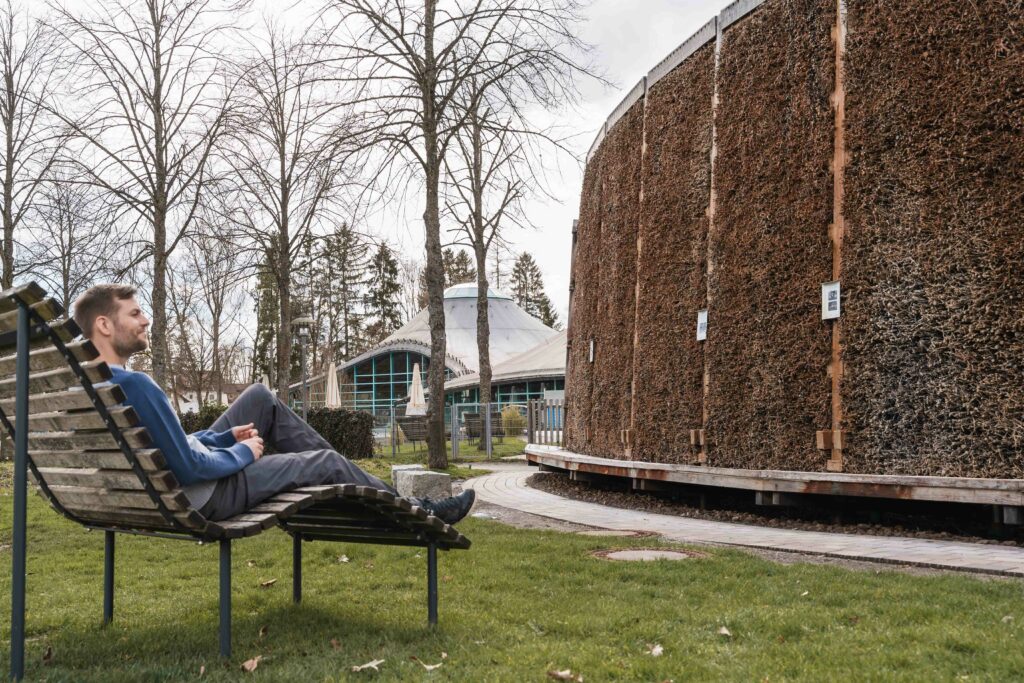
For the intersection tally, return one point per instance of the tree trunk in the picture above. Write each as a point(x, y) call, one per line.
point(284, 337)
point(159, 295)
point(483, 331)
point(8, 210)
point(437, 454)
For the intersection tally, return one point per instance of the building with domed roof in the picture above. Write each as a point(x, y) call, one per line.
point(375, 379)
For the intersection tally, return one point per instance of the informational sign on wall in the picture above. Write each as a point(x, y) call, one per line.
point(830, 300)
point(591, 350)
point(702, 325)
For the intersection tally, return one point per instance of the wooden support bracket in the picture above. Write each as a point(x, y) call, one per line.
point(828, 440)
point(776, 498)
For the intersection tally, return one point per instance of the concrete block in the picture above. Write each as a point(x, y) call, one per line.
point(423, 484)
point(395, 469)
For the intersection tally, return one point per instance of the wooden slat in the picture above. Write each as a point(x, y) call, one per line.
point(48, 309)
point(60, 421)
point(58, 379)
point(66, 330)
point(263, 520)
point(49, 357)
point(106, 479)
point(77, 496)
point(239, 529)
point(28, 293)
point(278, 508)
point(72, 399)
point(137, 519)
point(151, 459)
point(388, 537)
point(99, 440)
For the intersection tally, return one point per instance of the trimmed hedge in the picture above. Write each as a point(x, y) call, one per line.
point(207, 415)
point(349, 432)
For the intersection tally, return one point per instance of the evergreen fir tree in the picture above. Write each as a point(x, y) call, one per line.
point(527, 286)
point(458, 269)
point(342, 269)
point(382, 296)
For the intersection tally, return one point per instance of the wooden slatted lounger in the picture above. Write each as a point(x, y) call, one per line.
point(95, 464)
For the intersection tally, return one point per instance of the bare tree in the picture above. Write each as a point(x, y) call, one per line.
point(149, 107)
point(32, 138)
point(288, 148)
point(72, 237)
point(488, 179)
point(419, 56)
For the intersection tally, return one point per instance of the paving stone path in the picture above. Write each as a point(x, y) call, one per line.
point(506, 486)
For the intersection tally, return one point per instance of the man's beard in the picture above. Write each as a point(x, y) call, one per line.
point(125, 346)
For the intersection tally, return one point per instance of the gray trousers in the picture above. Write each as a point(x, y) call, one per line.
point(301, 457)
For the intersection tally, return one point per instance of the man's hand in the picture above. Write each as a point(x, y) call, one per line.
point(243, 432)
point(255, 445)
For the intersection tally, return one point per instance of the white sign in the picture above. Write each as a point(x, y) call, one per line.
point(702, 325)
point(830, 308)
point(591, 350)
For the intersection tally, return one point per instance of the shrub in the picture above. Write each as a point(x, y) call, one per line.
point(349, 432)
point(513, 420)
point(207, 415)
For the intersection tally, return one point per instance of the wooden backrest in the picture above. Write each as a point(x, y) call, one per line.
point(413, 426)
point(99, 469)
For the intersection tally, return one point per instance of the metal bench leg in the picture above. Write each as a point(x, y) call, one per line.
point(108, 577)
point(20, 482)
point(432, 584)
point(297, 568)
point(225, 598)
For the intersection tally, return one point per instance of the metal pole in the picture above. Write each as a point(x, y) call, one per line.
point(305, 389)
point(225, 599)
point(394, 433)
point(20, 485)
point(297, 568)
point(108, 577)
point(455, 432)
point(432, 584)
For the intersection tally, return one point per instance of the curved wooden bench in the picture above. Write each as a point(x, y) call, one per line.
point(91, 458)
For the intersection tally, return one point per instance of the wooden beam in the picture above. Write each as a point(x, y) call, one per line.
point(838, 229)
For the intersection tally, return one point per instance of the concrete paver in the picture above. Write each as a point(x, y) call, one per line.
point(506, 486)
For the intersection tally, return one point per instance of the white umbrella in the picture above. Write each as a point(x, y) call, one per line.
point(417, 402)
point(332, 397)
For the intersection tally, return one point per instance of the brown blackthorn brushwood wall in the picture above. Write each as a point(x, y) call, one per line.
point(673, 233)
point(932, 333)
point(767, 348)
point(933, 261)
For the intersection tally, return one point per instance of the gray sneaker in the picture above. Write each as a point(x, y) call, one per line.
point(449, 510)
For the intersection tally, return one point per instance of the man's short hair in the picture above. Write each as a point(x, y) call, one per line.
point(99, 300)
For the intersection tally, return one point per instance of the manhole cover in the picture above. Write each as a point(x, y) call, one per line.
point(645, 554)
point(612, 532)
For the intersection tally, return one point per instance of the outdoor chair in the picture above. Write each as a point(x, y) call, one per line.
point(95, 464)
point(414, 427)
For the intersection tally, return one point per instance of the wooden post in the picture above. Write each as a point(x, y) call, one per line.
point(835, 462)
point(627, 442)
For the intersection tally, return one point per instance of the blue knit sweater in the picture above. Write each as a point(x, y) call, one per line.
point(225, 457)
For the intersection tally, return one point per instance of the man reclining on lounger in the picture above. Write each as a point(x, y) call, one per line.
point(222, 469)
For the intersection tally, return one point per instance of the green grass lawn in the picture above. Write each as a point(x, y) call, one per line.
point(465, 466)
point(515, 606)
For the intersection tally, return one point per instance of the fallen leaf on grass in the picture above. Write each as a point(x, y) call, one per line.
point(566, 675)
point(342, 559)
point(250, 563)
point(263, 631)
point(723, 631)
point(268, 584)
point(1007, 619)
point(48, 655)
point(444, 655)
point(369, 665)
point(805, 594)
point(202, 670)
point(655, 650)
point(335, 644)
point(535, 628)
point(250, 665)
point(428, 667)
